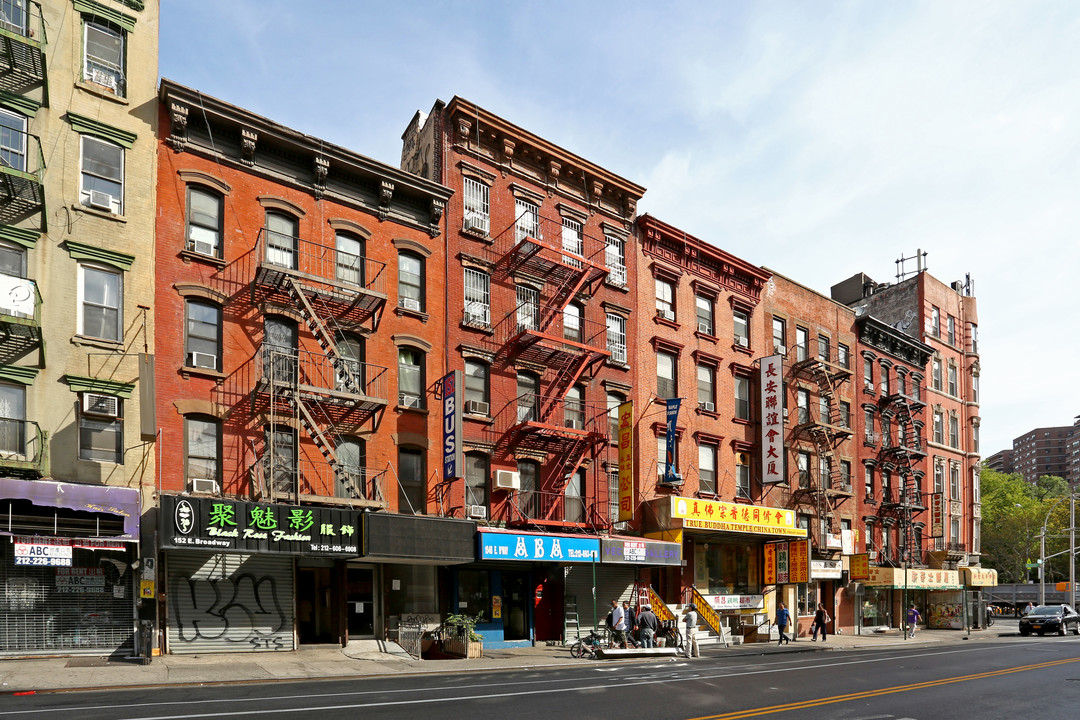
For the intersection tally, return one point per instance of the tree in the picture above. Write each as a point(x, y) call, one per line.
point(1050, 486)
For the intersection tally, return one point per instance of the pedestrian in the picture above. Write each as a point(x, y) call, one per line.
point(913, 618)
point(1028, 609)
point(631, 623)
point(618, 625)
point(989, 615)
point(821, 618)
point(647, 626)
point(690, 620)
point(783, 619)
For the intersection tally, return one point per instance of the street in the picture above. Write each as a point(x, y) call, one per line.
point(1006, 678)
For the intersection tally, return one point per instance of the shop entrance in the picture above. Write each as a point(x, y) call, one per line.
point(314, 603)
point(360, 601)
point(516, 595)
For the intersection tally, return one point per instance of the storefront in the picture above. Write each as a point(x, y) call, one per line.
point(936, 594)
point(254, 577)
point(975, 579)
point(69, 568)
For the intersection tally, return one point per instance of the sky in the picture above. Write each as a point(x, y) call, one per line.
point(819, 139)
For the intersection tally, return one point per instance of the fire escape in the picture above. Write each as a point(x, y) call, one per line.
point(828, 488)
point(337, 295)
point(902, 449)
point(546, 263)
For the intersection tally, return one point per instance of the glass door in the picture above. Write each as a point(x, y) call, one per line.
point(360, 602)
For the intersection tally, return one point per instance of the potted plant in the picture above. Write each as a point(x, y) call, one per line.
point(461, 638)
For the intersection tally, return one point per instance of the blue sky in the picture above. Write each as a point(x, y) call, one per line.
point(817, 138)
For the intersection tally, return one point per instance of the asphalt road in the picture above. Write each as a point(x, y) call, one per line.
point(1021, 678)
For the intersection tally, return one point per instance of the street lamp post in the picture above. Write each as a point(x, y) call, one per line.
point(1072, 550)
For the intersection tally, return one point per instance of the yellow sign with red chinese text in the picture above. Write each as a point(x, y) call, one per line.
point(917, 579)
point(734, 517)
point(859, 566)
point(988, 577)
point(787, 562)
point(770, 563)
point(626, 461)
point(799, 561)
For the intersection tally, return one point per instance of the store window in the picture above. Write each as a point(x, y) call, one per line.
point(474, 593)
point(728, 569)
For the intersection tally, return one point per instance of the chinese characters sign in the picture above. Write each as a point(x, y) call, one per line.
point(937, 515)
point(859, 566)
point(772, 419)
point(626, 461)
point(735, 517)
point(917, 579)
point(232, 525)
point(787, 562)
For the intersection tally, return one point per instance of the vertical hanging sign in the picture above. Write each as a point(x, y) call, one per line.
point(626, 461)
point(772, 419)
point(670, 477)
point(453, 459)
point(937, 515)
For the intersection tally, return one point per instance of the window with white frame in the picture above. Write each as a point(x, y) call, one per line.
point(101, 295)
point(843, 355)
point(476, 387)
point(573, 322)
point(976, 536)
point(103, 56)
point(935, 373)
point(527, 224)
point(939, 428)
point(803, 465)
point(528, 307)
point(615, 259)
point(349, 259)
point(975, 438)
point(477, 298)
point(802, 343)
point(614, 400)
point(13, 140)
point(707, 469)
point(954, 480)
point(802, 402)
point(101, 428)
point(706, 388)
point(741, 322)
point(823, 348)
point(204, 222)
point(779, 336)
point(939, 476)
point(884, 379)
point(953, 388)
point(868, 423)
point(350, 476)
point(202, 453)
point(868, 480)
point(528, 402)
point(613, 496)
point(954, 431)
point(824, 472)
point(975, 389)
point(13, 420)
point(845, 475)
point(410, 377)
point(665, 299)
point(574, 408)
point(742, 398)
point(410, 282)
point(742, 475)
point(976, 485)
point(705, 320)
point(616, 338)
point(13, 16)
point(573, 497)
point(868, 374)
point(572, 242)
point(661, 455)
point(102, 184)
point(954, 531)
point(477, 206)
point(935, 321)
point(477, 474)
point(202, 335)
point(667, 385)
point(950, 325)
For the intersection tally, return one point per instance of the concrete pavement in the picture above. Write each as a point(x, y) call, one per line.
point(374, 658)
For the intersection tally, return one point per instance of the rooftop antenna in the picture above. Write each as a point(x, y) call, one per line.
point(920, 265)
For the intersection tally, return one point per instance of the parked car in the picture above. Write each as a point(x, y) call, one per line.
point(1050, 618)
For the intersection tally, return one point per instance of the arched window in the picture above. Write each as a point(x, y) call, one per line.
point(528, 499)
point(574, 497)
point(476, 388)
point(281, 239)
point(202, 454)
point(574, 408)
point(476, 479)
point(350, 376)
point(204, 214)
point(279, 349)
point(528, 397)
point(410, 377)
point(412, 495)
point(410, 282)
point(350, 259)
point(202, 335)
point(350, 479)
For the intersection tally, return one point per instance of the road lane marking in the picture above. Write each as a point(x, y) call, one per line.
point(883, 691)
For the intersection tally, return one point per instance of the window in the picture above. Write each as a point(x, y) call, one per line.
point(779, 336)
point(742, 398)
point(868, 480)
point(868, 421)
point(845, 414)
point(939, 476)
point(803, 463)
point(102, 184)
point(802, 343)
point(665, 299)
point(845, 475)
point(916, 387)
point(706, 388)
point(950, 325)
point(705, 324)
point(954, 431)
point(527, 224)
point(528, 390)
point(101, 431)
point(613, 496)
point(975, 388)
point(13, 420)
point(282, 243)
point(476, 479)
point(574, 408)
point(901, 383)
point(939, 428)
point(954, 531)
point(410, 282)
point(13, 16)
point(667, 385)
point(202, 453)
point(884, 379)
point(572, 242)
point(707, 469)
point(824, 414)
point(973, 332)
point(976, 485)
point(742, 476)
point(661, 455)
point(411, 491)
point(868, 374)
point(12, 139)
point(886, 486)
point(204, 213)
point(573, 329)
point(615, 259)
point(953, 389)
point(843, 355)
point(614, 400)
point(742, 328)
point(976, 536)
point(349, 376)
point(476, 387)
point(12, 260)
point(349, 259)
point(825, 472)
point(279, 349)
point(935, 373)
point(280, 461)
point(477, 206)
point(350, 475)
point(616, 338)
point(886, 550)
point(975, 438)
point(528, 498)
point(103, 56)
point(574, 510)
point(935, 321)
point(823, 348)
point(802, 402)
point(954, 481)
point(528, 307)
point(410, 377)
point(101, 295)
point(202, 340)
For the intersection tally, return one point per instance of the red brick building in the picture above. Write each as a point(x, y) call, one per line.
point(299, 331)
point(539, 321)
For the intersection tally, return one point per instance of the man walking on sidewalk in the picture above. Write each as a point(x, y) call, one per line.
point(783, 618)
point(913, 618)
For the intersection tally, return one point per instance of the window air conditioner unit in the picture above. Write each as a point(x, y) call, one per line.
point(101, 200)
point(707, 406)
point(202, 360)
point(475, 407)
point(103, 77)
point(478, 512)
point(781, 350)
point(872, 554)
point(573, 424)
point(742, 341)
point(474, 223)
point(704, 328)
point(409, 401)
point(507, 480)
point(409, 303)
point(204, 485)
point(666, 314)
point(476, 317)
point(202, 247)
point(97, 404)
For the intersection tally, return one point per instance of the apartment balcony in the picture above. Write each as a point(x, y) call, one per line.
point(326, 483)
point(22, 47)
point(555, 509)
point(349, 288)
point(22, 178)
point(24, 449)
point(317, 378)
point(565, 258)
point(20, 316)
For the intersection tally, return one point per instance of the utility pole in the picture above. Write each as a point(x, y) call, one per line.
point(1042, 566)
point(1072, 551)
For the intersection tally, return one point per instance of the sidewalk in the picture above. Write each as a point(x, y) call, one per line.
point(368, 660)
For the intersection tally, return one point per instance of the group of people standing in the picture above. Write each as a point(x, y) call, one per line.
point(630, 629)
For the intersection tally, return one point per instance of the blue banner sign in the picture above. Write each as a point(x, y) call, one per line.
point(550, 548)
point(670, 476)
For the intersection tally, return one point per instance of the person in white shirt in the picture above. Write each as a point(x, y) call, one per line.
point(618, 624)
point(690, 620)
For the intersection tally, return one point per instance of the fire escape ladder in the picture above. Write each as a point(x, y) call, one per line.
point(568, 290)
point(323, 443)
point(324, 337)
point(827, 390)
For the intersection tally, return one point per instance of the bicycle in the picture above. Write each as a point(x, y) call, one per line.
point(587, 645)
point(669, 630)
